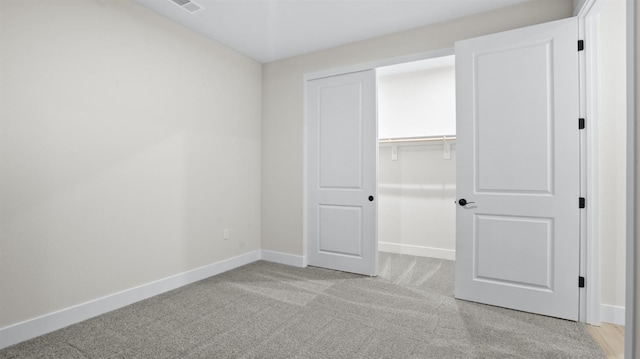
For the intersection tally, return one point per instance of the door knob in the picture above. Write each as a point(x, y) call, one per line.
point(463, 202)
point(370, 198)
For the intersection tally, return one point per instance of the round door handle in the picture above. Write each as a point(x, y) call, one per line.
point(370, 198)
point(463, 202)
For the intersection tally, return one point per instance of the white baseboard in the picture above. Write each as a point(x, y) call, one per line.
point(284, 258)
point(612, 314)
point(32, 328)
point(419, 251)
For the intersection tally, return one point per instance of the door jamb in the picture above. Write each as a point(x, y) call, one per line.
point(587, 13)
point(633, 248)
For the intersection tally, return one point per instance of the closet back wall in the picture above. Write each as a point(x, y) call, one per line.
point(416, 213)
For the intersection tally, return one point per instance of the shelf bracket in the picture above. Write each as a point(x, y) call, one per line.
point(447, 149)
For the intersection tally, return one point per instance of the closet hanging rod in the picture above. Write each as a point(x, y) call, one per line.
point(418, 139)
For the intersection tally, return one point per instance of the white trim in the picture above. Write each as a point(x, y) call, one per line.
point(32, 328)
point(419, 251)
point(283, 258)
point(612, 314)
point(578, 8)
point(584, 7)
point(588, 13)
point(631, 322)
point(305, 166)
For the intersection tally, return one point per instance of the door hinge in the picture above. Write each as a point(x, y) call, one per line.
point(580, 282)
point(582, 202)
point(580, 45)
point(581, 123)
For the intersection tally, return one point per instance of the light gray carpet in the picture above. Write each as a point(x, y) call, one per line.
point(266, 310)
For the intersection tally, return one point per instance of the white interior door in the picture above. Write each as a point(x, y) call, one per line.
point(342, 178)
point(517, 246)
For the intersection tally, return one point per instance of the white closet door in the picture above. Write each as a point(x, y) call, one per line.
point(342, 152)
point(517, 246)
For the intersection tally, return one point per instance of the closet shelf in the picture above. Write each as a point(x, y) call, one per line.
point(415, 141)
point(418, 139)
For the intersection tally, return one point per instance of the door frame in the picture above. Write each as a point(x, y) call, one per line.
point(587, 13)
point(633, 249)
point(589, 300)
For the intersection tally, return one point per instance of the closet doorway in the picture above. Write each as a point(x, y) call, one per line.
point(417, 158)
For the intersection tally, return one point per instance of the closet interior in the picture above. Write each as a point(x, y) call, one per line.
point(417, 158)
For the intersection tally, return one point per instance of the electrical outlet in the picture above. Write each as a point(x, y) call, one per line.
point(225, 234)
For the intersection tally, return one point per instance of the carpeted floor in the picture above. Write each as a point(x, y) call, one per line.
point(266, 310)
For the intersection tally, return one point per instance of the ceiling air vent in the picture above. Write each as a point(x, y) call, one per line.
point(188, 5)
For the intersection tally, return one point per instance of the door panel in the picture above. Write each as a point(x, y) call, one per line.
point(517, 245)
point(532, 247)
point(340, 130)
point(342, 172)
point(517, 103)
point(340, 230)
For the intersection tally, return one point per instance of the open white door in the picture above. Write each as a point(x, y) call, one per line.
point(342, 149)
point(517, 242)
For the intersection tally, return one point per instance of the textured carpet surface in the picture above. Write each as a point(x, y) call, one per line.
point(266, 310)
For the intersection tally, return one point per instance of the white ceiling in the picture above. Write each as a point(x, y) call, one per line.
point(269, 30)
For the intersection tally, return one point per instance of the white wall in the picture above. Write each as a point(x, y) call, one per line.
point(127, 144)
point(416, 210)
point(417, 103)
point(283, 105)
point(612, 150)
